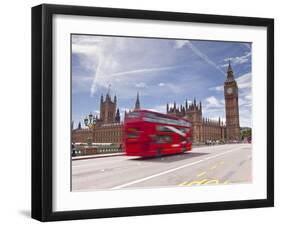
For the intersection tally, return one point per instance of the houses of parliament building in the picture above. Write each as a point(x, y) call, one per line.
point(108, 127)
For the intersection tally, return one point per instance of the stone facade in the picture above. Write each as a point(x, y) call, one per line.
point(106, 129)
point(109, 113)
point(81, 135)
point(104, 133)
point(203, 129)
point(108, 133)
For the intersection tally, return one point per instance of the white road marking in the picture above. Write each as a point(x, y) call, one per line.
point(172, 170)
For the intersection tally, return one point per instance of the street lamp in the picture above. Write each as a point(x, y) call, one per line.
point(90, 122)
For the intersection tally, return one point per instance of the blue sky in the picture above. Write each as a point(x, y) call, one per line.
point(161, 70)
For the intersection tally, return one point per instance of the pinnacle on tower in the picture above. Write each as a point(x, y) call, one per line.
point(117, 117)
point(229, 69)
point(108, 97)
point(137, 104)
point(229, 73)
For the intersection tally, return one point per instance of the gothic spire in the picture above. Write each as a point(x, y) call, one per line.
point(117, 117)
point(229, 69)
point(108, 97)
point(115, 99)
point(137, 104)
point(230, 76)
point(79, 125)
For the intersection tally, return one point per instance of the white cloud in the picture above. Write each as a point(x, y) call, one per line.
point(103, 60)
point(238, 59)
point(243, 82)
point(217, 88)
point(212, 102)
point(247, 45)
point(182, 43)
point(145, 70)
point(174, 88)
point(214, 108)
point(248, 97)
point(141, 85)
point(161, 84)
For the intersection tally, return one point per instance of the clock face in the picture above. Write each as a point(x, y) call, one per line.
point(229, 90)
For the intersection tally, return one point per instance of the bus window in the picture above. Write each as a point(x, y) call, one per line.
point(163, 129)
point(132, 135)
point(162, 139)
point(185, 130)
point(133, 115)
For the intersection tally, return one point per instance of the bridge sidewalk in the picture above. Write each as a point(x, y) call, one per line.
point(97, 156)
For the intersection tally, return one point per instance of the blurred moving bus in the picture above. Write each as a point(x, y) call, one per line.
point(148, 133)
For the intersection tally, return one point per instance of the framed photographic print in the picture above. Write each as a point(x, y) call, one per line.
point(145, 112)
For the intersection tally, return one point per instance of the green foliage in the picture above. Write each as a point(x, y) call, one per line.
point(246, 132)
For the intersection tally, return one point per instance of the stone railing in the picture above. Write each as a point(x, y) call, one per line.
point(81, 150)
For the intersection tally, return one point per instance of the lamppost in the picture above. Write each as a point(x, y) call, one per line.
point(90, 122)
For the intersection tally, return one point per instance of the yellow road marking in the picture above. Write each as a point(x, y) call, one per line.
point(201, 174)
point(212, 182)
point(197, 182)
point(184, 183)
point(202, 182)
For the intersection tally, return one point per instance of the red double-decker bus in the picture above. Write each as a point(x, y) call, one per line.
point(148, 133)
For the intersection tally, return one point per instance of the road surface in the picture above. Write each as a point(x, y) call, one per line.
point(206, 165)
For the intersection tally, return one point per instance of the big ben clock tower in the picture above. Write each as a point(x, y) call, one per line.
point(231, 106)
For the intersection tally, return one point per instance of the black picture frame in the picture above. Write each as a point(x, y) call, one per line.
point(42, 107)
